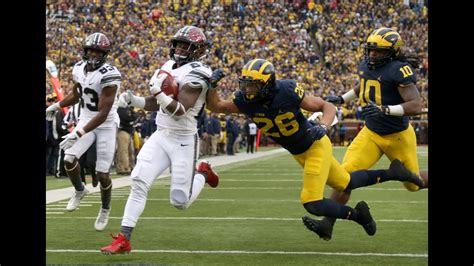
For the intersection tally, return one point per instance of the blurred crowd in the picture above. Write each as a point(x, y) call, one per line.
point(317, 43)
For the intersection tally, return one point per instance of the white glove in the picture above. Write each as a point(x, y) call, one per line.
point(71, 138)
point(125, 99)
point(51, 110)
point(156, 82)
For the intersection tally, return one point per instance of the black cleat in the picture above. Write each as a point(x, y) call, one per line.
point(322, 228)
point(365, 218)
point(399, 172)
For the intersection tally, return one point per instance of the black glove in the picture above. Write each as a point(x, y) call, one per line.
point(373, 110)
point(318, 131)
point(216, 76)
point(334, 99)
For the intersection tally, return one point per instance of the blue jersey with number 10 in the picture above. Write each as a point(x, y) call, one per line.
point(380, 85)
point(282, 119)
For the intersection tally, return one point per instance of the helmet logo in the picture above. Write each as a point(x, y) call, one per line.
point(195, 35)
point(104, 42)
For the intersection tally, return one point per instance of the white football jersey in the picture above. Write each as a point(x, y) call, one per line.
point(195, 74)
point(91, 85)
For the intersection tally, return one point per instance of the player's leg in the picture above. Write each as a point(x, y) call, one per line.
point(105, 149)
point(152, 160)
point(73, 168)
point(362, 153)
point(186, 182)
point(402, 146)
point(317, 162)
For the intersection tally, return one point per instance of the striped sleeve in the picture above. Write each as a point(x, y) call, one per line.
point(111, 78)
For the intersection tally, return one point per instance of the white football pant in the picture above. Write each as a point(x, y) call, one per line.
point(162, 150)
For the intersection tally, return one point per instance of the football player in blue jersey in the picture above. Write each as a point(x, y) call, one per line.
point(388, 94)
point(275, 106)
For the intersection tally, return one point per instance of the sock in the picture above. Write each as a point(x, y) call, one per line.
point(74, 173)
point(126, 231)
point(106, 195)
point(363, 178)
point(328, 208)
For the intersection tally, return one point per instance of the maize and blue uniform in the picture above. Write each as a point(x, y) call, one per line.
point(283, 121)
point(389, 135)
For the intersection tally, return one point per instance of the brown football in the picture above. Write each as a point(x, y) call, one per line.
point(170, 86)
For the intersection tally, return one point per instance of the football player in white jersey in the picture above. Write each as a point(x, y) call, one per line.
point(96, 85)
point(175, 142)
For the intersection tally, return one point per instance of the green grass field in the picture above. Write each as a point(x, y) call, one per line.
point(252, 218)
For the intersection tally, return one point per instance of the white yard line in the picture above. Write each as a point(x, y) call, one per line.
point(270, 252)
point(231, 219)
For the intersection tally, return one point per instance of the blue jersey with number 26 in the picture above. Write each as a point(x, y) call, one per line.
point(282, 119)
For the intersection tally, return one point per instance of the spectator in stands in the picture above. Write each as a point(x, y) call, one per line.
point(124, 139)
point(214, 132)
point(331, 35)
point(251, 132)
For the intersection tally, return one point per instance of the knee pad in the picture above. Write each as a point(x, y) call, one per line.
point(178, 199)
point(140, 189)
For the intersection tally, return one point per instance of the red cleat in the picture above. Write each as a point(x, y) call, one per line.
point(212, 178)
point(120, 245)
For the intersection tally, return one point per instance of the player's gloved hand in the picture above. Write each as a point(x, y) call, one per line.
point(334, 99)
point(373, 110)
point(216, 76)
point(125, 99)
point(71, 138)
point(156, 82)
point(318, 131)
point(51, 110)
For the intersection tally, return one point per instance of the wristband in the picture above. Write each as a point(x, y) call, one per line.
point(163, 100)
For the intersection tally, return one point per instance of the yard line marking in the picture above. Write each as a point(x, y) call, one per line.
point(298, 188)
point(276, 252)
point(264, 174)
point(113, 196)
point(233, 219)
point(290, 200)
point(64, 205)
point(90, 202)
point(51, 209)
point(54, 212)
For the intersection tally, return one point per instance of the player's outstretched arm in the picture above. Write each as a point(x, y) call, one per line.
point(346, 97)
point(217, 105)
point(148, 103)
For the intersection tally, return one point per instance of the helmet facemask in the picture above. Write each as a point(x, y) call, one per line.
point(253, 90)
point(374, 62)
point(94, 62)
point(192, 52)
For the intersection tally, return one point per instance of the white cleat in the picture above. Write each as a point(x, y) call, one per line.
point(102, 219)
point(76, 199)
